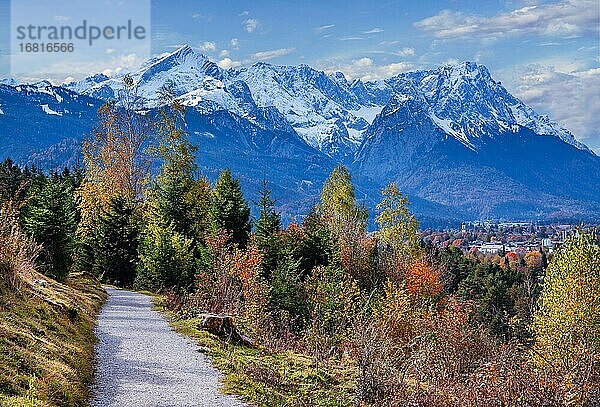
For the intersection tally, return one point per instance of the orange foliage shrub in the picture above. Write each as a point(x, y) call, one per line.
point(533, 259)
point(423, 280)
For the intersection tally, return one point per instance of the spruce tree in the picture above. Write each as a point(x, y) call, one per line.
point(50, 219)
point(269, 221)
point(229, 209)
point(116, 243)
point(12, 179)
point(178, 196)
point(176, 219)
point(167, 260)
point(267, 227)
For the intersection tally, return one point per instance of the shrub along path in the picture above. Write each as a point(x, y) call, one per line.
point(141, 361)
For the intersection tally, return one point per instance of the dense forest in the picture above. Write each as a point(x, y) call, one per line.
point(421, 325)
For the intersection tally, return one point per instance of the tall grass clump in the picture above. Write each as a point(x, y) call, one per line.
point(17, 251)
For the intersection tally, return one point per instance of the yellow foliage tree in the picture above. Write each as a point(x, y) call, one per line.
point(398, 229)
point(338, 203)
point(567, 322)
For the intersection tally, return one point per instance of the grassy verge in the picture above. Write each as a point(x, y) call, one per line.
point(46, 341)
point(265, 378)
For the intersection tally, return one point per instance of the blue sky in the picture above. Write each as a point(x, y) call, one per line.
point(545, 52)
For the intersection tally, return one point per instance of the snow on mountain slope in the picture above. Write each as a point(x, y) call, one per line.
point(318, 106)
point(8, 81)
point(468, 104)
point(328, 112)
point(184, 71)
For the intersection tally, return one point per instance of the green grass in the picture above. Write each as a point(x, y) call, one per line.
point(46, 341)
point(272, 379)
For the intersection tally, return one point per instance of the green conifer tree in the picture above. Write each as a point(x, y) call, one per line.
point(267, 227)
point(116, 243)
point(50, 219)
point(229, 209)
point(177, 215)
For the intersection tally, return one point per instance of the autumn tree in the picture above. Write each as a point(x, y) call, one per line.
point(338, 205)
point(115, 165)
point(566, 325)
point(113, 155)
point(347, 223)
point(398, 228)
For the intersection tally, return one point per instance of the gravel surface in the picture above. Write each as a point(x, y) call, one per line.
point(141, 361)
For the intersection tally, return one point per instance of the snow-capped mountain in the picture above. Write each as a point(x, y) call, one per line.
point(467, 103)
point(453, 138)
point(321, 108)
point(38, 116)
point(328, 112)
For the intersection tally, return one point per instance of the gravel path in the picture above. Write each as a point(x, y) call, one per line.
point(142, 362)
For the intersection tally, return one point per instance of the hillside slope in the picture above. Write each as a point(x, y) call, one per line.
point(46, 340)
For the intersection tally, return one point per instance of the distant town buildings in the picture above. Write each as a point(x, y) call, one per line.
point(488, 237)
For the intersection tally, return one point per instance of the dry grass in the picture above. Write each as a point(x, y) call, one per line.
point(17, 251)
point(46, 339)
point(272, 378)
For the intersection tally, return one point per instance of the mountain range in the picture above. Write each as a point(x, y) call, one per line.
point(453, 138)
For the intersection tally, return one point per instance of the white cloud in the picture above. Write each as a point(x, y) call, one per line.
point(564, 18)
point(406, 52)
point(244, 13)
point(235, 43)
point(324, 28)
point(566, 92)
point(224, 53)
point(208, 46)
point(264, 55)
point(373, 31)
point(203, 17)
point(227, 63)
point(251, 24)
point(389, 42)
point(110, 50)
point(366, 69)
point(350, 38)
point(78, 70)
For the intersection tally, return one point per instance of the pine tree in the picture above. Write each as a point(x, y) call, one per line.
point(269, 221)
point(266, 232)
point(50, 219)
point(178, 196)
point(12, 180)
point(177, 215)
point(116, 243)
point(167, 260)
point(544, 262)
point(287, 289)
point(229, 209)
